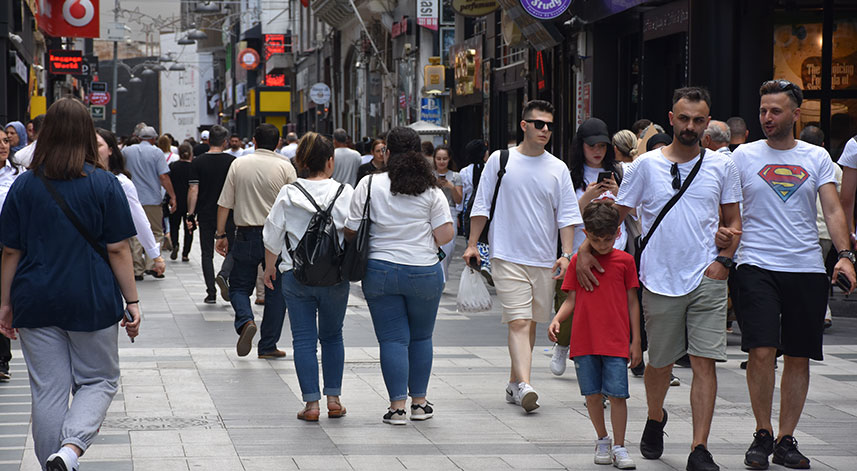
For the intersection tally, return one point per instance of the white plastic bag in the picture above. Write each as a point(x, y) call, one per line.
point(473, 296)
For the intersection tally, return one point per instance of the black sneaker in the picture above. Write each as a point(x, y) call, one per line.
point(4, 371)
point(210, 299)
point(138, 277)
point(175, 253)
point(652, 441)
point(762, 446)
point(700, 460)
point(223, 285)
point(638, 370)
point(787, 454)
point(422, 411)
point(395, 417)
point(154, 273)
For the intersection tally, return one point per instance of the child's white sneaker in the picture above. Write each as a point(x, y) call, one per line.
point(602, 451)
point(559, 359)
point(621, 459)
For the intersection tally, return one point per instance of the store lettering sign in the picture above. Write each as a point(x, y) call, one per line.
point(475, 7)
point(400, 28)
point(427, 14)
point(545, 9)
point(63, 61)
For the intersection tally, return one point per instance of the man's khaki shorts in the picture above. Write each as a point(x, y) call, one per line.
point(524, 291)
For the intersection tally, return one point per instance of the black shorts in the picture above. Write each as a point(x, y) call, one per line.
point(780, 309)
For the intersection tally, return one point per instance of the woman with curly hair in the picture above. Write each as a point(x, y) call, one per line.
point(403, 282)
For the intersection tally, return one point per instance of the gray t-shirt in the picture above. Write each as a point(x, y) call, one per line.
point(345, 164)
point(455, 179)
point(146, 164)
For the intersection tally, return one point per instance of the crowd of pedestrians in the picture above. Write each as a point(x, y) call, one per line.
point(636, 241)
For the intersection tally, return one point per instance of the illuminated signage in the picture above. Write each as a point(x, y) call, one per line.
point(274, 44)
point(62, 61)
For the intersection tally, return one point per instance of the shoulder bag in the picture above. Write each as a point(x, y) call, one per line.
point(357, 251)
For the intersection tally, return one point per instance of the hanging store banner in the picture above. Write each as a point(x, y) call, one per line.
point(475, 7)
point(69, 18)
point(427, 14)
point(430, 110)
point(545, 9)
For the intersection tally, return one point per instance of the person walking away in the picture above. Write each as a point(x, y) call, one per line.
point(24, 157)
point(347, 159)
point(535, 202)
point(316, 313)
point(67, 319)
point(251, 187)
point(290, 150)
point(624, 146)
point(403, 282)
point(606, 321)
point(180, 178)
point(8, 174)
point(450, 183)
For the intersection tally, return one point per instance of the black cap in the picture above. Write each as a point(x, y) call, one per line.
point(594, 131)
point(659, 138)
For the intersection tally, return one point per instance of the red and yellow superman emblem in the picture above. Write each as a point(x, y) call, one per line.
point(784, 179)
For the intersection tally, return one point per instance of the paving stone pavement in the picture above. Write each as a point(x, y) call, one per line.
point(187, 402)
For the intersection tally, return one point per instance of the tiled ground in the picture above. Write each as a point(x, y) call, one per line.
point(188, 402)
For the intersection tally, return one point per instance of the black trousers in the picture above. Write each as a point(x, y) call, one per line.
point(178, 219)
point(5, 343)
point(207, 229)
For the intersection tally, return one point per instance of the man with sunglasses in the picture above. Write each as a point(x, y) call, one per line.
point(682, 271)
point(781, 287)
point(535, 201)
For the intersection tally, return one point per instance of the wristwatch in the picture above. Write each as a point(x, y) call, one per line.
point(567, 255)
point(849, 255)
point(725, 261)
point(219, 236)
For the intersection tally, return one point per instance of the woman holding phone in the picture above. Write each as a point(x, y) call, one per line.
point(450, 183)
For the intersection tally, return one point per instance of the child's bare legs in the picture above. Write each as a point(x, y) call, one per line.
point(595, 407)
point(618, 417)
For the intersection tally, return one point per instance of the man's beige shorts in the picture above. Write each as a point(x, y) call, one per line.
point(524, 291)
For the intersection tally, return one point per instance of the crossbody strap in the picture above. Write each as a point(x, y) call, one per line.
point(74, 220)
point(672, 201)
point(504, 159)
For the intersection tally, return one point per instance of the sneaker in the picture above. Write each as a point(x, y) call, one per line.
point(700, 460)
point(486, 273)
point(210, 299)
point(245, 339)
point(787, 454)
point(395, 417)
point(639, 370)
point(138, 277)
point(223, 284)
point(762, 446)
point(602, 451)
point(621, 458)
point(154, 273)
point(512, 393)
point(683, 362)
point(559, 359)
point(674, 380)
point(4, 371)
point(527, 397)
point(422, 411)
point(60, 462)
point(652, 441)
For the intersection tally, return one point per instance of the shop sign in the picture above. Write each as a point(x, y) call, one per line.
point(430, 110)
point(427, 14)
point(400, 28)
point(666, 20)
point(584, 102)
point(319, 93)
point(467, 59)
point(62, 61)
point(97, 112)
point(545, 9)
point(403, 100)
point(99, 98)
point(98, 87)
point(69, 18)
point(20, 68)
point(248, 59)
point(475, 7)
point(274, 44)
point(434, 78)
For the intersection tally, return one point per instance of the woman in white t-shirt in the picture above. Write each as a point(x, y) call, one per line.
point(404, 281)
point(451, 185)
point(316, 313)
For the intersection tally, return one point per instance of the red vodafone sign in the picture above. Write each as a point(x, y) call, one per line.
point(99, 98)
point(69, 18)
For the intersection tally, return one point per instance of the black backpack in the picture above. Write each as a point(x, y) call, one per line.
point(317, 259)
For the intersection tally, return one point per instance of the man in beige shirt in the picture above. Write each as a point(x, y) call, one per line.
point(251, 186)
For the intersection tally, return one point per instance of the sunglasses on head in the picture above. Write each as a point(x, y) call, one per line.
point(784, 86)
point(539, 124)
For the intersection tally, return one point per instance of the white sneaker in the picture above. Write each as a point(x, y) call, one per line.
point(674, 381)
point(527, 397)
point(602, 451)
point(512, 393)
point(61, 461)
point(621, 459)
point(559, 359)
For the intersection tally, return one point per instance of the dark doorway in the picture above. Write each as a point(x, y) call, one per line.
point(664, 70)
point(465, 125)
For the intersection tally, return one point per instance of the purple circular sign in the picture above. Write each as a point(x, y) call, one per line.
point(545, 9)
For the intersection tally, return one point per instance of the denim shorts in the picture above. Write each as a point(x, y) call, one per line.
point(599, 374)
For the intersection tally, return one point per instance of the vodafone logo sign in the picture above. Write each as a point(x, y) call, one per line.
point(78, 13)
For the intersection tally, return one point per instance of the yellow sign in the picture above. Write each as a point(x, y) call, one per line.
point(434, 78)
point(475, 7)
point(275, 101)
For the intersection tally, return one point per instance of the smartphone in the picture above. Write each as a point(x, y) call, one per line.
point(475, 263)
point(129, 318)
point(843, 282)
point(440, 254)
point(556, 272)
point(604, 176)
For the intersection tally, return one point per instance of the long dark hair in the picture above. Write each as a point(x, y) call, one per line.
point(451, 166)
point(116, 161)
point(66, 142)
point(409, 171)
point(577, 161)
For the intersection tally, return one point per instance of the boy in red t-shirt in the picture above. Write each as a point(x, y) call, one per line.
point(606, 320)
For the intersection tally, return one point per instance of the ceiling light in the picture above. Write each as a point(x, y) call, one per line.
point(197, 35)
point(177, 68)
point(136, 80)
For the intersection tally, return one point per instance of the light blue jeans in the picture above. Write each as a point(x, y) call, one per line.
point(403, 302)
point(325, 305)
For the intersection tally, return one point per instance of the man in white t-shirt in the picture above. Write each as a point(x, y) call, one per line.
point(780, 287)
point(848, 161)
point(536, 200)
point(683, 272)
point(291, 148)
point(234, 149)
point(346, 160)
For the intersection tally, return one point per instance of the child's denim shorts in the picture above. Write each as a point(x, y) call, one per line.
point(598, 374)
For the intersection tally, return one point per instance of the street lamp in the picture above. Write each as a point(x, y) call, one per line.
point(121, 89)
point(177, 68)
point(206, 7)
point(135, 79)
point(185, 41)
point(197, 35)
point(148, 71)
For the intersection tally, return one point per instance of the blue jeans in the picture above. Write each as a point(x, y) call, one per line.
point(602, 374)
point(248, 252)
point(403, 302)
point(329, 304)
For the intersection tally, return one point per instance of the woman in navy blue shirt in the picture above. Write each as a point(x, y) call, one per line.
point(62, 296)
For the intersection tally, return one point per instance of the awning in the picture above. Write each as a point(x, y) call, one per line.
point(423, 127)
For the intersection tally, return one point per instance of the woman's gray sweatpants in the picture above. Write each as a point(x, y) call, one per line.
point(85, 364)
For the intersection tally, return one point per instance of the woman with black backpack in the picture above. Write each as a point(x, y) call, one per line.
point(316, 302)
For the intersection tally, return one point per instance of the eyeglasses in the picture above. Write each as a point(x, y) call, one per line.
point(676, 176)
point(539, 124)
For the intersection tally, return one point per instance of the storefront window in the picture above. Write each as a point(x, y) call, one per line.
point(797, 53)
point(844, 54)
point(843, 125)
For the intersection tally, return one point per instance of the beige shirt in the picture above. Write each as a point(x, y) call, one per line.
point(252, 185)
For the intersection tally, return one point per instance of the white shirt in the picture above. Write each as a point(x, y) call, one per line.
point(171, 157)
point(292, 212)
point(235, 153)
point(289, 150)
point(820, 223)
point(402, 225)
point(247, 151)
point(536, 199)
point(466, 186)
point(141, 222)
point(847, 159)
point(682, 246)
point(24, 157)
point(780, 189)
point(345, 164)
point(590, 175)
point(8, 174)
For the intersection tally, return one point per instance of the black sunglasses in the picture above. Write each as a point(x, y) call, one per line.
point(676, 176)
point(784, 86)
point(539, 124)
